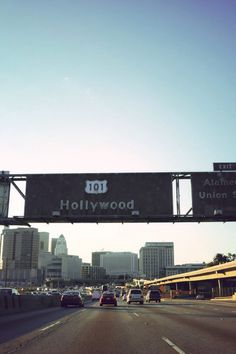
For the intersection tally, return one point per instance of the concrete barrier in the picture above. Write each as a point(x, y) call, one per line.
point(23, 303)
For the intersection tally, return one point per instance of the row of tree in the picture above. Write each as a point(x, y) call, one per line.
point(222, 258)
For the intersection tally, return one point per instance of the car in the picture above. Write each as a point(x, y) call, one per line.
point(135, 295)
point(72, 298)
point(96, 294)
point(108, 298)
point(104, 288)
point(9, 291)
point(153, 295)
point(54, 293)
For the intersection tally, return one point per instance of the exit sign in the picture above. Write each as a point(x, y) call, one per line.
point(224, 166)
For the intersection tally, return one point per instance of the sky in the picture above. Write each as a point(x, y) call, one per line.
point(94, 86)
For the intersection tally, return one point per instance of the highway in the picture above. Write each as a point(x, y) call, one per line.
point(173, 326)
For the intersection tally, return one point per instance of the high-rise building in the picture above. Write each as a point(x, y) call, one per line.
point(61, 246)
point(43, 241)
point(92, 273)
point(96, 257)
point(63, 267)
point(20, 248)
point(154, 257)
point(53, 245)
point(120, 263)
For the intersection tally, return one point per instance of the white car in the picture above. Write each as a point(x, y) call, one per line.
point(135, 295)
point(96, 294)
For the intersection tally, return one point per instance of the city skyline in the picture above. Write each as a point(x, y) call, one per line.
point(120, 86)
point(136, 250)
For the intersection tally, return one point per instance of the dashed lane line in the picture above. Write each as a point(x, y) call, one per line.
point(172, 345)
point(55, 323)
point(52, 325)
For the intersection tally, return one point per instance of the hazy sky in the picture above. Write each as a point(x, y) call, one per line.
point(120, 86)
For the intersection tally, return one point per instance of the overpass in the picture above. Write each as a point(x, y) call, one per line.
point(216, 281)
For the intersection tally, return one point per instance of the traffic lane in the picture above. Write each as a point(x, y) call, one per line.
point(206, 311)
point(152, 327)
point(106, 330)
point(15, 325)
point(194, 327)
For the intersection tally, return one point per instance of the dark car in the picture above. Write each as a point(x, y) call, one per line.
point(71, 298)
point(108, 298)
point(153, 295)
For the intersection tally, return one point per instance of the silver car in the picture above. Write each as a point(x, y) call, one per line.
point(135, 295)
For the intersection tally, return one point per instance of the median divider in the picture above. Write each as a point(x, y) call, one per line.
point(23, 303)
point(10, 304)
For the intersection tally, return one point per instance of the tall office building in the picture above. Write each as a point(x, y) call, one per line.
point(43, 241)
point(96, 257)
point(63, 267)
point(120, 263)
point(53, 245)
point(61, 246)
point(20, 248)
point(154, 257)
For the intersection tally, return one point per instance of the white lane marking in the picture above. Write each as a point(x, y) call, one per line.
point(56, 323)
point(177, 349)
point(52, 325)
point(136, 314)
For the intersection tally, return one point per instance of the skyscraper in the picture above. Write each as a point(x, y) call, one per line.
point(53, 245)
point(20, 248)
point(61, 246)
point(96, 257)
point(120, 263)
point(154, 257)
point(43, 241)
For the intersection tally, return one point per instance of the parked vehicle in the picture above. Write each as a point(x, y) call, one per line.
point(72, 298)
point(153, 295)
point(108, 298)
point(135, 295)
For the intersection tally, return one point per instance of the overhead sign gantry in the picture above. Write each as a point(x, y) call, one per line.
point(119, 197)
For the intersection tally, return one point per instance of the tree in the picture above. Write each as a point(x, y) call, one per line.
point(221, 258)
point(231, 257)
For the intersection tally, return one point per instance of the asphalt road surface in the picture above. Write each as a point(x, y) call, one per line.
point(177, 326)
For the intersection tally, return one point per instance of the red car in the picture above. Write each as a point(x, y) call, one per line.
point(108, 298)
point(71, 298)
